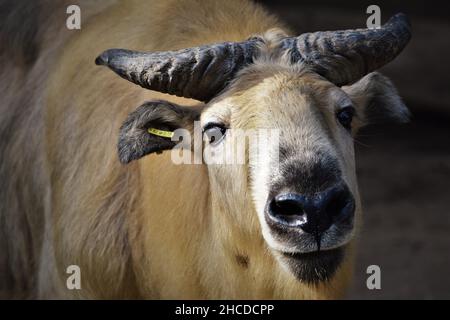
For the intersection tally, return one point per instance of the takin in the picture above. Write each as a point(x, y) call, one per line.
point(86, 170)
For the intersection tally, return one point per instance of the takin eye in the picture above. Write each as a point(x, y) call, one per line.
point(214, 133)
point(345, 116)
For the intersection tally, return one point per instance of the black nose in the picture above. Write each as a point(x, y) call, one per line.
point(313, 214)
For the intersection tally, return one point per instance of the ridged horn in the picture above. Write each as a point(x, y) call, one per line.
point(344, 57)
point(198, 73)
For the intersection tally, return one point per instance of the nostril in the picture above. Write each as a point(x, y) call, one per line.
point(287, 206)
point(340, 204)
point(288, 210)
point(336, 204)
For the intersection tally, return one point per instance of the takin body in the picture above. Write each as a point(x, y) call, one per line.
point(152, 229)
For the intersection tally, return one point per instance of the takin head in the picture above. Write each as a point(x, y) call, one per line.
point(315, 90)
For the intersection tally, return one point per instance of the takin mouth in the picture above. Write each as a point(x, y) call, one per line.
point(314, 267)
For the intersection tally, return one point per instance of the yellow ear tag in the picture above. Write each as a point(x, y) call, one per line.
point(160, 133)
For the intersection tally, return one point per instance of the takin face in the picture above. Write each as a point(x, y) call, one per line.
point(304, 187)
point(315, 91)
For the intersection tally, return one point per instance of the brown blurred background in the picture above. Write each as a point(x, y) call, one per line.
point(404, 171)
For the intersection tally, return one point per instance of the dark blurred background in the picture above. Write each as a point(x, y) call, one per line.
point(403, 170)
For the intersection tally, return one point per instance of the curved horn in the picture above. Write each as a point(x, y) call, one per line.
point(344, 57)
point(198, 73)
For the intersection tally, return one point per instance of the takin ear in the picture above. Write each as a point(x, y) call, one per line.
point(376, 100)
point(146, 130)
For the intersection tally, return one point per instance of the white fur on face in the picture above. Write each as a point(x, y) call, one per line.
point(302, 108)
